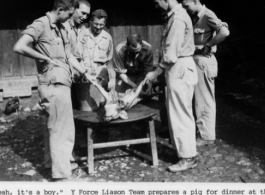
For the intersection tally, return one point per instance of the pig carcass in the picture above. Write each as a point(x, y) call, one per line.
point(115, 104)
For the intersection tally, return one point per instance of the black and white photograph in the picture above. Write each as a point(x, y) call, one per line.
point(155, 92)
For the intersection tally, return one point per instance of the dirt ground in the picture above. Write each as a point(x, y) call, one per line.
point(238, 154)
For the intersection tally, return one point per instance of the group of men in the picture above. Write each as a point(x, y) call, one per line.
point(187, 57)
point(63, 47)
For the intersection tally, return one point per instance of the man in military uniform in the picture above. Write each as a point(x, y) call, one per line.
point(55, 61)
point(132, 61)
point(181, 76)
point(209, 31)
point(77, 30)
point(100, 46)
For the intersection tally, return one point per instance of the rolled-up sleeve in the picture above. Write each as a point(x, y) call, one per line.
point(118, 62)
point(172, 44)
point(215, 22)
point(35, 30)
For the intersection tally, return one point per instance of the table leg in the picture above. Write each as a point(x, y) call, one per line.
point(153, 141)
point(90, 150)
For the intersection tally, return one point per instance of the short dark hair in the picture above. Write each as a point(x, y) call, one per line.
point(78, 2)
point(133, 39)
point(99, 13)
point(65, 4)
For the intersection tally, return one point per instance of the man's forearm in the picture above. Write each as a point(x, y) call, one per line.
point(73, 61)
point(126, 80)
point(22, 47)
point(29, 52)
point(220, 37)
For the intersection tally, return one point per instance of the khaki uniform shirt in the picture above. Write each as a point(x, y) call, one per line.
point(51, 40)
point(77, 38)
point(177, 39)
point(205, 25)
point(100, 49)
point(124, 63)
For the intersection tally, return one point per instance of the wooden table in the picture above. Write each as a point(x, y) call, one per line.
point(145, 110)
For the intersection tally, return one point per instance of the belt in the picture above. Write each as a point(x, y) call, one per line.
point(185, 56)
point(199, 52)
point(100, 63)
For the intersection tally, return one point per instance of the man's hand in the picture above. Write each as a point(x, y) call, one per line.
point(151, 76)
point(53, 62)
point(92, 79)
point(111, 84)
point(134, 86)
point(207, 51)
point(50, 61)
point(147, 90)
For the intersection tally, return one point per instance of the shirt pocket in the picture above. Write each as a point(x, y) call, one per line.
point(198, 36)
point(103, 45)
point(56, 48)
point(102, 50)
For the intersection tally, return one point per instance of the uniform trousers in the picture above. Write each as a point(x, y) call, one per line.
point(60, 133)
point(181, 79)
point(205, 105)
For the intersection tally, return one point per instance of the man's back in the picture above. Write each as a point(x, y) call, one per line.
point(177, 39)
point(205, 27)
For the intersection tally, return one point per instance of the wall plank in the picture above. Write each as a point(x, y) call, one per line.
point(30, 68)
point(119, 34)
point(27, 65)
point(141, 30)
point(11, 66)
point(154, 34)
point(1, 57)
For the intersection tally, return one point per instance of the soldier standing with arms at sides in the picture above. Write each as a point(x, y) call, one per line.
point(181, 77)
point(55, 61)
point(209, 31)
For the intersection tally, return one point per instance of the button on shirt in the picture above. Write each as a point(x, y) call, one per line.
point(125, 63)
point(78, 39)
point(177, 39)
point(51, 40)
point(205, 25)
point(100, 48)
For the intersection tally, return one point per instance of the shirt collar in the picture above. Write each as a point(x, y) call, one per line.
point(174, 10)
point(201, 12)
point(52, 24)
point(102, 34)
point(72, 24)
